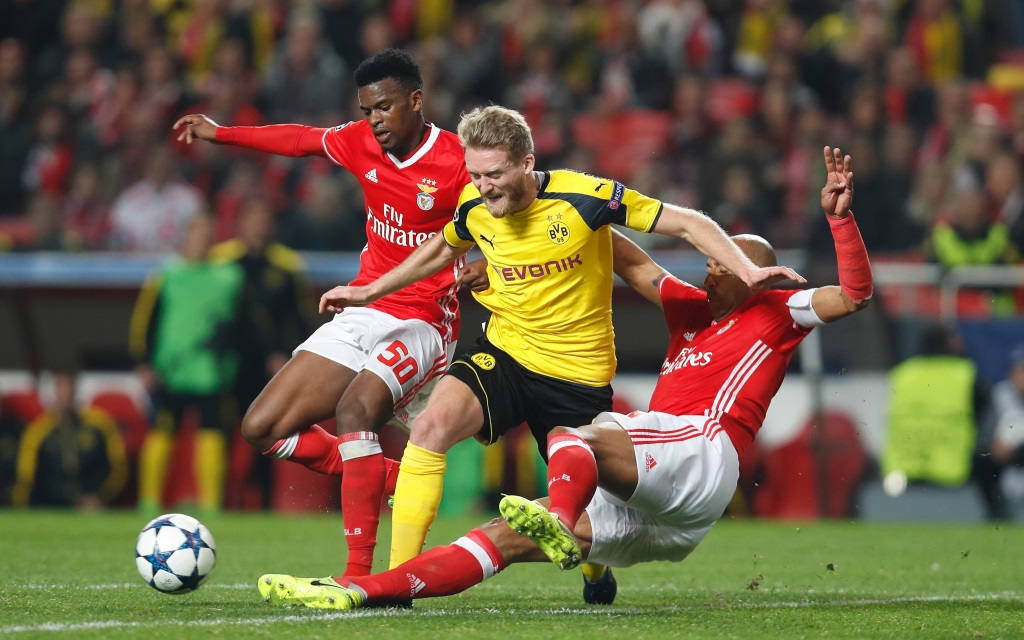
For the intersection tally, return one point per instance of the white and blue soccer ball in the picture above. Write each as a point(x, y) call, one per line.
point(175, 553)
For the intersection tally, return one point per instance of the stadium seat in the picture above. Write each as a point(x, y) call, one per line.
point(297, 488)
point(123, 408)
point(792, 479)
point(646, 132)
point(729, 99)
point(240, 492)
point(25, 405)
point(134, 426)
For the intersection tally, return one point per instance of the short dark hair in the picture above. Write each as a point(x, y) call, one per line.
point(390, 63)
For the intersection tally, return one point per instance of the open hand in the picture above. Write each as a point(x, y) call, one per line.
point(837, 194)
point(196, 126)
point(765, 277)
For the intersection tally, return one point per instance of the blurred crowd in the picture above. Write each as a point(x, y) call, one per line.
point(722, 105)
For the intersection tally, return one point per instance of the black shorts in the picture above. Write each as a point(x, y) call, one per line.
point(214, 410)
point(511, 394)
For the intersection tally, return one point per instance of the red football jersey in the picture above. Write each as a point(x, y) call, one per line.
point(728, 370)
point(407, 202)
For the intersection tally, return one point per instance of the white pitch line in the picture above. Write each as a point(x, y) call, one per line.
point(127, 585)
point(587, 611)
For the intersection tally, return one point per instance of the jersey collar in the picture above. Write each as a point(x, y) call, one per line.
point(422, 151)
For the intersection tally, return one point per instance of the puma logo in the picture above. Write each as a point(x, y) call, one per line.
point(488, 241)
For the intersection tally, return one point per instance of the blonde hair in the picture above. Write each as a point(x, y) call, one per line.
point(496, 127)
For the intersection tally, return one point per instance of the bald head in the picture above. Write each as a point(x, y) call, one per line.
point(757, 249)
point(725, 290)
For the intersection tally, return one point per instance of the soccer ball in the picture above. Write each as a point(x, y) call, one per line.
point(175, 553)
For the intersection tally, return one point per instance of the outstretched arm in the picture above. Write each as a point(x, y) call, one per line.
point(294, 140)
point(854, 290)
point(636, 268)
point(709, 238)
point(425, 261)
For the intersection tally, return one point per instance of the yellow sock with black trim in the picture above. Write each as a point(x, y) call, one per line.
point(210, 468)
point(417, 498)
point(153, 464)
point(593, 572)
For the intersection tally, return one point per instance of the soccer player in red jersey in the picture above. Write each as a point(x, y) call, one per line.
point(646, 486)
point(366, 364)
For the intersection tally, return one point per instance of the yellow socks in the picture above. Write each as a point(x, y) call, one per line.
point(593, 572)
point(153, 459)
point(417, 498)
point(210, 468)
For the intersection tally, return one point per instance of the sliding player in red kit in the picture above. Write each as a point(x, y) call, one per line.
point(370, 363)
point(647, 486)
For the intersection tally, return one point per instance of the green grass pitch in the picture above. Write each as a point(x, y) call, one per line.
point(65, 574)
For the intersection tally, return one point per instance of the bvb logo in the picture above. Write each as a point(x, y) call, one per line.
point(484, 360)
point(558, 233)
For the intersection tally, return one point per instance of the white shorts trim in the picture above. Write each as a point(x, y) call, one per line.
point(688, 470)
point(408, 355)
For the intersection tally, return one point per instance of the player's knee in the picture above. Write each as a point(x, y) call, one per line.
point(424, 426)
point(354, 417)
point(258, 428)
point(580, 432)
point(431, 431)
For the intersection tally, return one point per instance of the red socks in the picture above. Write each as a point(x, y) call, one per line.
point(313, 448)
point(442, 571)
point(362, 489)
point(370, 476)
point(572, 477)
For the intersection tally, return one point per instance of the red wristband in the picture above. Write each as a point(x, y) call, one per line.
point(852, 258)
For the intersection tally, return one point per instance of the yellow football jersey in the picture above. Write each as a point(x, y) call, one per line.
point(551, 271)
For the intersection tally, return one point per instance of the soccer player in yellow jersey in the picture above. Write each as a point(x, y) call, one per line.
point(548, 353)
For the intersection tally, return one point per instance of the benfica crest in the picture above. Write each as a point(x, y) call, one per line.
point(424, 199)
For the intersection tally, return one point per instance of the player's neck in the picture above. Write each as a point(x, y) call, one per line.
point(406, 150)
point(535, 182)
point(724, 309)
